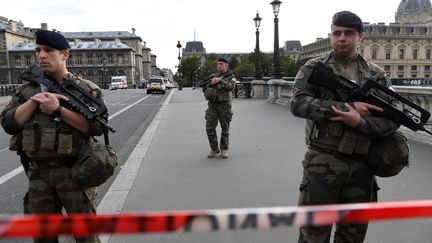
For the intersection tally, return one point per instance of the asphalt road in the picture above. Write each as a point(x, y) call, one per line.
point(131, 111)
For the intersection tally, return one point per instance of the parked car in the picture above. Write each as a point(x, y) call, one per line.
point(156, 85)
point(118, 82)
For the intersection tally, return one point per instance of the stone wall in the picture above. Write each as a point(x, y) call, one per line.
point(279, 92)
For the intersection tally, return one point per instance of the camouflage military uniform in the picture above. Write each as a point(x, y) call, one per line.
point(334, 169)
point(219, 109)
point(51, 149)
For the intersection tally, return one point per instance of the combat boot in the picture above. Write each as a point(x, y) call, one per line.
point(224, 154)
point(213, 153)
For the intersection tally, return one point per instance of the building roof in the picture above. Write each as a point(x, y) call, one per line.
point(97, 34)
point(293, 45)
point(414, 5)
point(75, 46)
point(194, 46)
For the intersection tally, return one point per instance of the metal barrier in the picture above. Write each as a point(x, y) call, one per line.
point(242, 89)
point(9, 89)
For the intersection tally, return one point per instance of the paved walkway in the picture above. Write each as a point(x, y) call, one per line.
point(168, 170)
point(4, 100)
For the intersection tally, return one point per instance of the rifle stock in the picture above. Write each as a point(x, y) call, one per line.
point(411, 115)
point(206, 81)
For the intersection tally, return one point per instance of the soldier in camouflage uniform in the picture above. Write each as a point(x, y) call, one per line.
point(338, 134)
point(50, 136)
point(218, 93)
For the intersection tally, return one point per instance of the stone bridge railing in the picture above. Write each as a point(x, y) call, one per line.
point(279, 92)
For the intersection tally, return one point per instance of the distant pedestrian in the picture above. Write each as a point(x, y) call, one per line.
point(49, 137)
point(339, 134)
point(219, 94)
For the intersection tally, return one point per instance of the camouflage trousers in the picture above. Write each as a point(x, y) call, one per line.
point(51, 190)
point(218, 112)
point(335, 179)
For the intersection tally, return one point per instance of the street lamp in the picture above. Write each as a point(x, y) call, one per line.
point(258, 71)
point(179, 46)
point(277, 71)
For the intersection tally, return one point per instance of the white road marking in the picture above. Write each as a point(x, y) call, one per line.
point(18, 170)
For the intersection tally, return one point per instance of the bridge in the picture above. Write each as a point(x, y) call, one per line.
point(167, 167)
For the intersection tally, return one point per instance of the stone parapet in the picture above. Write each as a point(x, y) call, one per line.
point(279, 92)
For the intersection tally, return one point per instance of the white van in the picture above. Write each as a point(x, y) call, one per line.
point(118, 82)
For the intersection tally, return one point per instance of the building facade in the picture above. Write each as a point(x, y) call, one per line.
point(403, 49)
point(93, 55)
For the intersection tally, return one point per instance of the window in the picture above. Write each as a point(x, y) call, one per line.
point(99, 59)
point(388, 54)
point(428, 54)
point(374, 53)
point(17, 61)
point(415, 53)
point(120, 59)
point(90, 59)
point(427, 68)
point(400, 68)
point(78, 60)
point(387, 68)
point(401, 54)
point(110, 59)
point(28, 61)
point(414, 68)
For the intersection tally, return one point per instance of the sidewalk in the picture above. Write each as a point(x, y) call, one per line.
point(4, 100)
point(169, 170)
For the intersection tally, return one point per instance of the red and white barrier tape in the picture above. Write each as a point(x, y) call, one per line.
point(209, 220)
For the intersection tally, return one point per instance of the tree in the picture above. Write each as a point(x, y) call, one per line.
point(208, 68)
point(245, 69)
point(189, 69)
point(289, 67)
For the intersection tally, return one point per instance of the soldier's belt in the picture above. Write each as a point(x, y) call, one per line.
point(336, 153)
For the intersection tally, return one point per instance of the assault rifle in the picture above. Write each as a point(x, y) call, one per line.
point(411, 115)
point(206, 81)
point(88, 106)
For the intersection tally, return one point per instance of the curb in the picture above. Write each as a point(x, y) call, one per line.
point(118, 192)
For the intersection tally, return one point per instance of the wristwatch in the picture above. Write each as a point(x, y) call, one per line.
point(56, 115)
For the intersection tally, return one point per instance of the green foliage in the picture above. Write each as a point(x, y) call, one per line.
point(192, 70)
point(245, 69)
point(189, 70)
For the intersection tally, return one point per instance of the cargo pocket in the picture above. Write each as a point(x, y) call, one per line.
point(65, 142)
point(29, 139)
point(48, 138)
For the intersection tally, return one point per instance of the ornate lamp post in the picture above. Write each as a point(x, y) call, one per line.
point(179, 46)
point(277, 71)
point(258, 71)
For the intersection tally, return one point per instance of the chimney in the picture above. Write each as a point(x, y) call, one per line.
point(133, 31)
point(44, 26)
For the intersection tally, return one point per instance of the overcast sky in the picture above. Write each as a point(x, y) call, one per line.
point(222, 25)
